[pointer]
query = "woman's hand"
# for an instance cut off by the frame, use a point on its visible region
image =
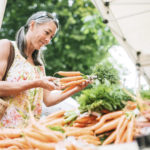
(83, 85)
(48, 83)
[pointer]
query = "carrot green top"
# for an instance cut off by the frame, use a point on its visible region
(17, 113)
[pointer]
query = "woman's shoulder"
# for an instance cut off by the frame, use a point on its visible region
(4, 47)
(5, 41)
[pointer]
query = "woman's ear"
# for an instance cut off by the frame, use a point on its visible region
(32, 24)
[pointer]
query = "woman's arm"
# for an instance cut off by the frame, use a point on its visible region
(13, 88)
(52, 98)
(4, 54)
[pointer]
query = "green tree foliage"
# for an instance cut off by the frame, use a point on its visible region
(82, 41)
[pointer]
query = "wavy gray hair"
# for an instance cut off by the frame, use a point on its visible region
(39, 17)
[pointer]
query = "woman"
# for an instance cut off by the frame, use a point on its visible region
(26, 80)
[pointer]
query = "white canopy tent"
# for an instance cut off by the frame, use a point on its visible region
(2, 10)
(129, 21)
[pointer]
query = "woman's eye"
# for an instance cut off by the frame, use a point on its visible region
(46, 32)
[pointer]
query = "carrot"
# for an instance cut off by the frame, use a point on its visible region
(50, 135)
(44, 129)
(79, 132)
(56, 114)
(69, 73)
(40, 145)
(110, 139)
(121, 131)
(36, 135)
(69, 146)
(105, 118)
(73, 83)
(68, 88)
(91, 141)
(59, 122)
(105, 111)
(130, 130)
(121, 121)
(13, 148)
(124, 137)
(80, 125)
(10, 133)
(68, 79)
(131, 105)
(108, 126)
(92, 137)
(85, 119)
(11, 142)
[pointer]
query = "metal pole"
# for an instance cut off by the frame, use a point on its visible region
(138, 65)
(2, 10)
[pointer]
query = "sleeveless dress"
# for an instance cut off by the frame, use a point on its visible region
(17, 113)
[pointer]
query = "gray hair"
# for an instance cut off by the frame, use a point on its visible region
(40, 18)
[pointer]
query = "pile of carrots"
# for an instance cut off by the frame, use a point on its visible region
(39, 136)
(119, 127)
(70, 80)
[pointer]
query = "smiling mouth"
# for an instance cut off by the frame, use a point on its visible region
(42, 43)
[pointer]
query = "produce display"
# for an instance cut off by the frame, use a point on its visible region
(88, 129)
(108, 114)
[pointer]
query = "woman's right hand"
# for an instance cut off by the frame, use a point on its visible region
(48, 83)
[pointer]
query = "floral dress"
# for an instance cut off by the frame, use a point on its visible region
(17, 113)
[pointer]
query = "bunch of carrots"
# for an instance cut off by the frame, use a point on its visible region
(71, 79)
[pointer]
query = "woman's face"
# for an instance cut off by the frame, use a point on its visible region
(41, 34)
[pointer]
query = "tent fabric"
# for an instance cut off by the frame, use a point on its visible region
(2, 10)
(129, 21)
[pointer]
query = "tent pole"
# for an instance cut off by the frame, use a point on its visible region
(138, 66)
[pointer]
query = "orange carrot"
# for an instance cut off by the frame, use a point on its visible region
(131, 105)
(73, 83)
(105, 118)
(53, 136)
(10, 133)
(36, 135)
(124, 137)
(68, 88)
(108, 126)
(121, 131)
(90, 141)
(10, 142)
(130, 130)
(110, 138)
(69, 73)
(85, 119)
(121, 121)
(40, 145)
(68, 79)
(80, 125)
(57, 114)
(69, 146)
(90, 137)
(79, 132)
(57, 121)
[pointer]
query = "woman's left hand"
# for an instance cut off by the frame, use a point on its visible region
(84, 84)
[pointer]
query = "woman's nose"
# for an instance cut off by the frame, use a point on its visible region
(47, 40)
